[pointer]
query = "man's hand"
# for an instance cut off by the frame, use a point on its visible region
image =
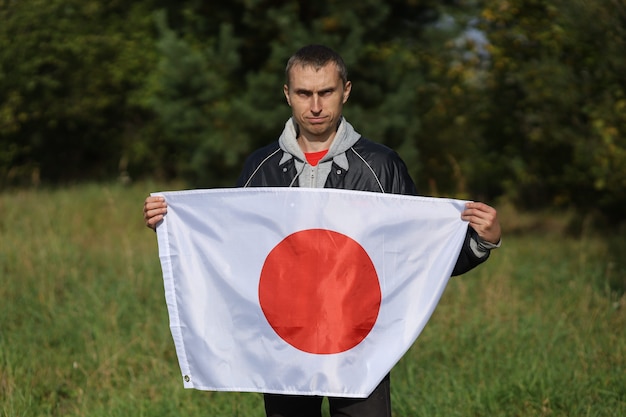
(154, 208)
(484, 220)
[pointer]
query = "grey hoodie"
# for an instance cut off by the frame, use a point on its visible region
(315, 176)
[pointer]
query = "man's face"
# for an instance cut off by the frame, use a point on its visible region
(316, 98)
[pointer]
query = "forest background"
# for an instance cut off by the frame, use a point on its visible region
(518, 103)
(516, 99)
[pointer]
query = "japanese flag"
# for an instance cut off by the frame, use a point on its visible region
(301, 291)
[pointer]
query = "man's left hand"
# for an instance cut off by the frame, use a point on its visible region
(484, 220)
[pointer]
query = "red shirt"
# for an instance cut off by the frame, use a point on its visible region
(314, 157)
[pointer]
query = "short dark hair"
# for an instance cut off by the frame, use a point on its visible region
(317, 56)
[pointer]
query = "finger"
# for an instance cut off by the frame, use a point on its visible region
(152, 221)
(154, 201)
(479, 209)
(482, 213)
(154, 209)
(149, 213)
(154, 212)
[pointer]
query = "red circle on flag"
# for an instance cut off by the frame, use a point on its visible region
(319, 291)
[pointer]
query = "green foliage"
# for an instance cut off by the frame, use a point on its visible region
(217, 90)
(190, 92)
(537, 330)
(555, 125)
(522, 99)
(65, 70)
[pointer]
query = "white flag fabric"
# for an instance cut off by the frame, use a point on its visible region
(301, 291)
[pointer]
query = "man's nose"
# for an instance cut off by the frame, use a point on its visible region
(316, 104)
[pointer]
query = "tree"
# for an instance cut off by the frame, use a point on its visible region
(239, 50)
(66, 68)
(554, 125)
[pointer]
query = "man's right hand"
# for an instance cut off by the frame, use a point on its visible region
(154, 208)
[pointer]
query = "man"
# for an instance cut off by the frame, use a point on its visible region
(319, 148)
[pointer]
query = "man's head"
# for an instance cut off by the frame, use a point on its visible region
(316, 56)
(317, 88)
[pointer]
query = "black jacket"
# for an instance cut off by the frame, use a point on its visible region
(371, 167)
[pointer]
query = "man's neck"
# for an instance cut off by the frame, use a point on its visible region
(315, 144)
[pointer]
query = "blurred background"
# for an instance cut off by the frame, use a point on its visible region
(522, 99)
(518, 103)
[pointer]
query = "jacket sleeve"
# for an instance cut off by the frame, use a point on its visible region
(467, 258)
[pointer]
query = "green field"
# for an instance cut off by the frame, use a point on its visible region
(537, 331)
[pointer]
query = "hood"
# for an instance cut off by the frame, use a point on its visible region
(346, 137)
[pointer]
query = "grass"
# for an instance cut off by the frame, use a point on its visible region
(537, 331)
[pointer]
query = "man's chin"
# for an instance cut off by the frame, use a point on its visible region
(319, 128)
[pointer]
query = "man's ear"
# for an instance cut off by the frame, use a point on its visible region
(346, 91)
(286, 92)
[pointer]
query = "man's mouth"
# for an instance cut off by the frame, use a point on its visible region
(316, 120)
